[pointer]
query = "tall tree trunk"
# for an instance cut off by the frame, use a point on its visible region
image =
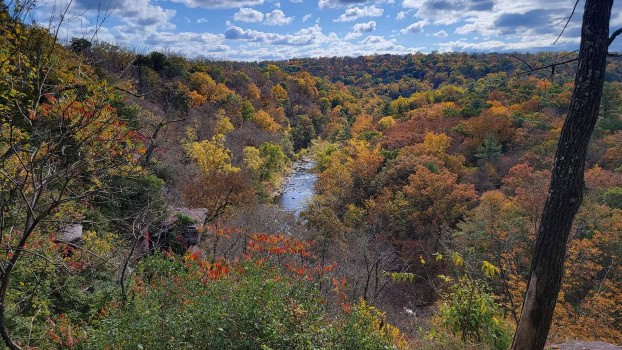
(566, 189)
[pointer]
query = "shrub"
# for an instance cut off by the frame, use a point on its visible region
(192, 304)
(471, 312)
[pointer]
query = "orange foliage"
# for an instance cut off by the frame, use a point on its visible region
(530, 188)
(265, 121)
(439, 200)
(496, 120)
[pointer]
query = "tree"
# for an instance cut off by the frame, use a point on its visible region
(438, 199)
(279, 93)
(80, 44)
(59, 145)
(265, 121)
(217, 184)
(567, 180)
(529, 189)
(303, 132)
(210, 155)
(208, 87)
(489, 150)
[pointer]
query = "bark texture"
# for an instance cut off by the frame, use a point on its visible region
(567, 183)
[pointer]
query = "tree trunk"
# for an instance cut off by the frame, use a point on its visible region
(566, 189)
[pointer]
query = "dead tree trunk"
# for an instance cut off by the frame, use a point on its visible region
(566, 189)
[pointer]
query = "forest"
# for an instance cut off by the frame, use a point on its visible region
(139, 199)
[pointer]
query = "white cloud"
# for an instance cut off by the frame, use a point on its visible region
(219, 3)
(379, 43)
(448, 11)
(352, 35)
(354, 13)
(364, 27)
(480, 25)
(274, 18)
(277, 18)
(248, 15)
(201, 43)
(322, 4)
(134, 17)
(416, 27)
(307, 36)
(360, 28)
(526, 43)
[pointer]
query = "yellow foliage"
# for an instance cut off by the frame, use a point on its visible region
(211, 156)
(435, 144)
(265, 121)
(223, 124)
(196, 99)
(252, 158)
(498, 109)
(388, 331)
(253, 92)
(100, 245)
(279, 93)
(386, 122)
(204, 85)
(363, 123)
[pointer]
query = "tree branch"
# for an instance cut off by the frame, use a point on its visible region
(552, 66)
(574, 8)
(614, 35)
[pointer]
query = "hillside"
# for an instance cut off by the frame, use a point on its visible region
(137, 199)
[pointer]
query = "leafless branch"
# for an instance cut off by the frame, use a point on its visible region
(614, 35)
(574, 8)
(552, 66)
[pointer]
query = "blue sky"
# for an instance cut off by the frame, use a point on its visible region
(270, 29)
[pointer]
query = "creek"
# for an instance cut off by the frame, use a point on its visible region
(298, 187)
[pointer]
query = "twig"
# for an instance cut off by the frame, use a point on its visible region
(568, 21)
(548, 66)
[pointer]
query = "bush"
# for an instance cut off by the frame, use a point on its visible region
(191, 304)
(470, 312)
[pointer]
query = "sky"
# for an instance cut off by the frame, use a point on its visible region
(256, 30)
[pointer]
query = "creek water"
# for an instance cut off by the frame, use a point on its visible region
(298, 187)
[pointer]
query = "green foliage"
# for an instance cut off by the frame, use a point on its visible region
(471, 312)
(185, 219)
(248, 111)
(322, 154)
(612, 197)
(268, 163)
(365, 328)
(252, 308)
(303, 132)
(490, 149)
(79, 44)
(474, 108)
(41, 293)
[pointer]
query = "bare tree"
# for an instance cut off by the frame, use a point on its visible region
(567, 180)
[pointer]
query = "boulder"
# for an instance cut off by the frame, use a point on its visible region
(71, 234)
